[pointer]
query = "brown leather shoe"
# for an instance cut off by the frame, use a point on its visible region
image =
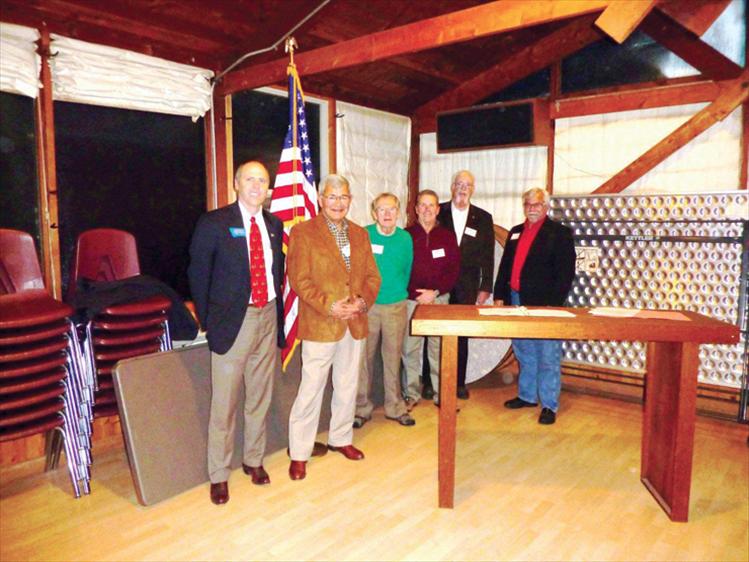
(297, 470)
(220, 492)
(258, 474)
(348, 451)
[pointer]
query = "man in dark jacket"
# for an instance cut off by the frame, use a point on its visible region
(537, 269)
(236, 277)
(474, 231)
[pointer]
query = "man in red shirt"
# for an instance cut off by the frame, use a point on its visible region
(537, 269)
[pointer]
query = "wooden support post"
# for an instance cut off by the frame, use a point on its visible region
(414, 163)
(733, 93)
(332, 137)
(744, 157)
(555, 90)
(49, 222)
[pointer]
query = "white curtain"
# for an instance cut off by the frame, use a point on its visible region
(591, 149)
(19, 62)
(501, 176)
(98, 75)
(372, 152)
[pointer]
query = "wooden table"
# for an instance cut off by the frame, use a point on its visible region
(671, 382)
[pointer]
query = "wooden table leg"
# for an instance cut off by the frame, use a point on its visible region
(448, 406)
(668, 424)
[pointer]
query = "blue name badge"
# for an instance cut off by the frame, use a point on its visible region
(237, 232)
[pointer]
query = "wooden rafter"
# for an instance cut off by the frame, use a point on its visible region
(696, 15)
(479, 21)
(733, 93)
(710, 62)
(553, 47)
(622, 17)
(641, 98)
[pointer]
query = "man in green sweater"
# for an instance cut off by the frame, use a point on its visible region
(393, 252)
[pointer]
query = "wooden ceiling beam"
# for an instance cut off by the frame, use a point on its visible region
(545, 51)
(622, 17)
(486, 19)
(732, 94)
(642, 98)
(710, 62)
(696, 15)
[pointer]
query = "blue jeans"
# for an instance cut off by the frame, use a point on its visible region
(540, 368)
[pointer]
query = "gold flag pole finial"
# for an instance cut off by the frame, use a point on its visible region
(289, 45)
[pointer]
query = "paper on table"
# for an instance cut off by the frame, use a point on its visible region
(615, 312)
(662, 315)
(522, 311)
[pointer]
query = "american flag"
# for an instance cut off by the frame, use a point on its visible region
(294, 196)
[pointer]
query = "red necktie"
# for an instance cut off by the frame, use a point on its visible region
(258, 281)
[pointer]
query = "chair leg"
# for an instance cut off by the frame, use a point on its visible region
(70, 459)
(52, 449)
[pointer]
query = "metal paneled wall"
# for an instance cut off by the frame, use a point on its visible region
(680, 252)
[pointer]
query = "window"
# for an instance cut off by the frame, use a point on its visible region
(259, 124)
(19, 194)
(137, 171)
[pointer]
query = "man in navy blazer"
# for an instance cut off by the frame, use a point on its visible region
(537, 269)
(474, 230)
(230, 246)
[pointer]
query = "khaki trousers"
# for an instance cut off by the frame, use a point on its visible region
(251, 362)
(413, 347)
(387, 325)
(345, 356)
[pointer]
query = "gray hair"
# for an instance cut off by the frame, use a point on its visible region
(385, 195)
(536, 192)
(336, 181)
(468, 172)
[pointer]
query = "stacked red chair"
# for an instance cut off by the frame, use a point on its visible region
(118, 331)
(44, 387)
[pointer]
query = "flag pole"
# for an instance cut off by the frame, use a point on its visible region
(289, 46)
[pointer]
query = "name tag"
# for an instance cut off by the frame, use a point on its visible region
(471, 232)
(346, 250)
(237, 232)
(438, 253)
(378, 249)
(515, 236)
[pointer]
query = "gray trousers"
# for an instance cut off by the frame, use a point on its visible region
(413, 347)
(251, 362)
(387, 326)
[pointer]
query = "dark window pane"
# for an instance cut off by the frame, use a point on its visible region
(534, 86)
(494, 126)
(137, 171)
(259, 125)
(19, 195)
(605, 63)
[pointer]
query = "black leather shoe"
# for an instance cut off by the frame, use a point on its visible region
(359, 421)
(547, 417)
(404, 419)
(220, 492)
(258, 474)
(518, 402)
(463, 393)
(427, 393)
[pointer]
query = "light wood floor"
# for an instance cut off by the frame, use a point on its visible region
(523, 492)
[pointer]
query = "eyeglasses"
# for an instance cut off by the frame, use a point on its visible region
(386, 209)
(462, 184)
(334, 198)
(534, 205)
